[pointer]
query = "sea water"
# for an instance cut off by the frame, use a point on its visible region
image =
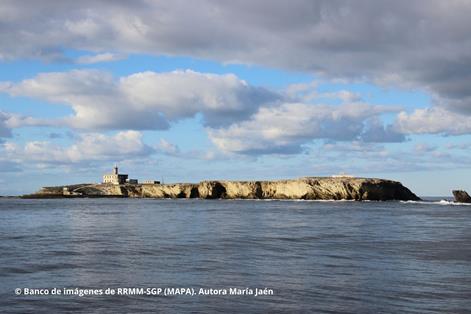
(64, 255)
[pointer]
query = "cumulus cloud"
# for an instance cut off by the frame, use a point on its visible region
(221, 99)
(88, 147)
(239, 118)
(286, 128)
(307, 92)
(168, 148)
(146, 100)
(433, 120)
(101, 57)
(419, 44)
(344, 95)
(376, 131)
(9, 121)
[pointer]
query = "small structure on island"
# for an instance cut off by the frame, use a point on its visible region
(115, 177)
(67, 192)
(342, 175)
(150, 182)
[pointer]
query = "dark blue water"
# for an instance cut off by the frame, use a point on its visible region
(318, 257)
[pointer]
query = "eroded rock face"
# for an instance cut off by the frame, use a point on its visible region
(309, 188)
(211, 190)
(179, 190)
(461, 196)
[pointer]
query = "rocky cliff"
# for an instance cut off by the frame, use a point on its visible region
(309, 188)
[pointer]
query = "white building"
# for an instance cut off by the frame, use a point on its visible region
(119, 178)
(150, 182)
(342, 175)
(115, 177)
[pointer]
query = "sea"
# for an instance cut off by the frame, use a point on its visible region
(234, 256)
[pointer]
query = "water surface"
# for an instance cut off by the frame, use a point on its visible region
(318, 257)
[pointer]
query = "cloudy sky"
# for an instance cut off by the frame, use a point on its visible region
(192, 90)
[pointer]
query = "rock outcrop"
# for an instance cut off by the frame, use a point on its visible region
(461, 196)
(309, 188)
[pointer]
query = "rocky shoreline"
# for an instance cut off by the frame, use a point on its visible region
(309, 188)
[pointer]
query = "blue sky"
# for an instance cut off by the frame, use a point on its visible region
(179, 92)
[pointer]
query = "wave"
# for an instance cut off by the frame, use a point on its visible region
(440, 202)
(425, 202)
(284, 200)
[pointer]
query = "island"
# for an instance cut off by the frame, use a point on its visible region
(307, 188)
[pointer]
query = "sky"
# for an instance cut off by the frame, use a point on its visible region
(183, 91)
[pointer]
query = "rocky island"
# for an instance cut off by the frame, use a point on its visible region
(461, 196)
(308, 188)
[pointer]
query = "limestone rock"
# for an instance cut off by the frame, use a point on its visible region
(309, 188)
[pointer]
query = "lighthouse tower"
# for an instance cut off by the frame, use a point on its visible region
(115, 177)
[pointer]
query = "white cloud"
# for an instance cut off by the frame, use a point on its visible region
(9, 121)
(146, 100)
(376, 131)
(168, 148)
(239, 118)
(101, 57)
(88, 147)
(400, 42)
(221, 98)
(344, 95)
(304, 92)
(286, 128)
(307, 92)
(433, 120)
